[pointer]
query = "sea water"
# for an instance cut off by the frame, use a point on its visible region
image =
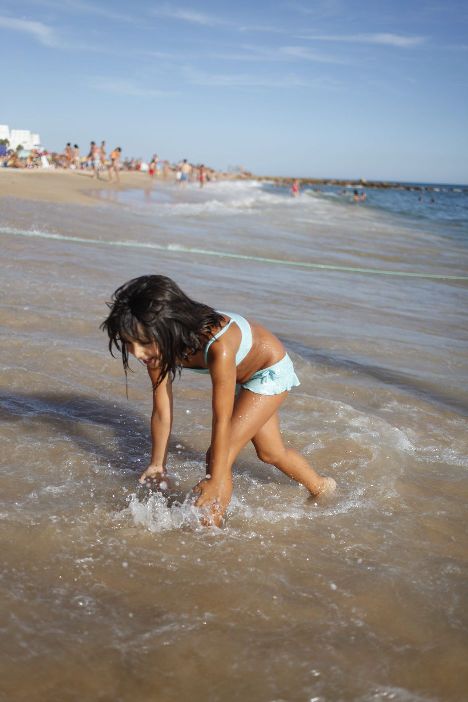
(112, 592)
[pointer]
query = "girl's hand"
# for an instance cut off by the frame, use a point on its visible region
(155, 476)
(216, 495)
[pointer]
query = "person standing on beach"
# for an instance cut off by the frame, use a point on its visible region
(114, 166)
(202, 175)
(76, 157)
(95, 159)
(89, 157)
(251, 374)
(295, 188)
(102, 155)
(152, 170)
(68, 155)
(185, 171)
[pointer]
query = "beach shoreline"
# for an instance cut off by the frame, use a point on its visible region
(81, 188)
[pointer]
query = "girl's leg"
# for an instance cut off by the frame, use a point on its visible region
(250, 413)
(255, 418)
(270, 448)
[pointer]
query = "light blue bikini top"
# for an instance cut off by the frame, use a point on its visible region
(244, 346)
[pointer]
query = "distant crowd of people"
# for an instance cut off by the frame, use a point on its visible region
(97, 160)
(101, 163)
(15, 158)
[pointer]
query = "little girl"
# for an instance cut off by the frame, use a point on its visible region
(251, 374)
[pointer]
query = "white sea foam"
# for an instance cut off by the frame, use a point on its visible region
(263, 505)
(254, 502)
(440, 454)
(156, 514)
(398, 694)
(228, 198)
(377, 432)
(208, 207)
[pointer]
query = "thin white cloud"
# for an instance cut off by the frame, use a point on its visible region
(95, 9)
(242, 80)
(85, 8)
(261, 28)
(44, 34)
(175, 57)
(384, 38)
(47, 36)
(305, 54)
(188, 15)
(125, 88)
(206, 20)
(282, 54)
(317, 9)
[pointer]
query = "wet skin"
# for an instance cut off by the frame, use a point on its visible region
(236, 419)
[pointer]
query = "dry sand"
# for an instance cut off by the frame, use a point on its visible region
(64, 186)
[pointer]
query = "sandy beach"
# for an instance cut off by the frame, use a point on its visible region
(75, 187)
(116, 593)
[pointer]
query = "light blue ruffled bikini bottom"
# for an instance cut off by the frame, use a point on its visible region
(273, 380)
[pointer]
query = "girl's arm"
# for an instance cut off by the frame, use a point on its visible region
(218, 488)
(161, 425)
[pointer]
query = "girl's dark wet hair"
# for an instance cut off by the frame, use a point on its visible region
(154, 308)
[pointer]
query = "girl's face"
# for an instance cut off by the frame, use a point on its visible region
(145, 351)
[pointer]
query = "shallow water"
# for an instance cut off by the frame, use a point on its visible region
(114, 593)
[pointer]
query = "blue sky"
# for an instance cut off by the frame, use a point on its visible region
(327, 88)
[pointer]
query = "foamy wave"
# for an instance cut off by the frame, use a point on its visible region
(208, 207)
(300, 507)
(157, 514)
(398, 694)
(376, 431)
(232, 197)
(254, 503)
(29, 232)
(438, 454)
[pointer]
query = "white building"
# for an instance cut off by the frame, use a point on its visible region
(20, 137)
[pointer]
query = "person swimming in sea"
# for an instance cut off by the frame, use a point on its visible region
(359, 197)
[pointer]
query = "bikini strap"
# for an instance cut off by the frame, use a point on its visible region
(215, 337)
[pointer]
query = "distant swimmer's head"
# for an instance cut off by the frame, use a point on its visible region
(153, 319)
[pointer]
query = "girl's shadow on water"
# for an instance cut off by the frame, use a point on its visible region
(125, 434)
(123, 443)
